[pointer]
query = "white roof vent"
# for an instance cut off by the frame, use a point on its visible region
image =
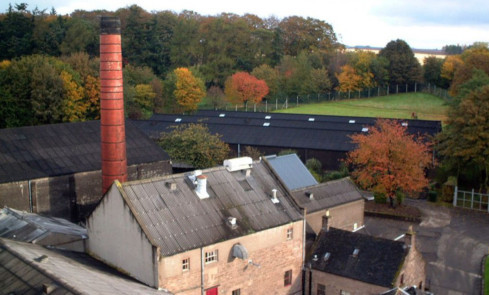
(315, 258)
(266, 124)
(351, 121)
(201, 189)
(268, 117)
(311, 119)
(222, 115)
(177, 120)
(274, 196)
(237, 164)
(364, 129)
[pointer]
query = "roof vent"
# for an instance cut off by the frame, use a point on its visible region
(201, 189)
(268, 117)
(266, 124)
(315, 258)
(310, 195)
(364, 129)
(351, 121)
(274, 196)
(222, 115)
(355, 252)
(238, 164)
(177, 120)
(171, 185)
(231, 222)
(326, 256)
(311, 119)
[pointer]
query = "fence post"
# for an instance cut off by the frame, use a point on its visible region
(455, 194)
(472, 200)
(297, 100)
(397, 88)
(415, 87)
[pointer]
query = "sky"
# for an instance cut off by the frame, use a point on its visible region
(423, 24)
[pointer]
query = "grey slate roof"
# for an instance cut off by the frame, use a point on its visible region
(291, 171)
(60, 149)
(327, 194)
(25, 268)
(283, 130)
(177, 220)
(34, 228)
(378, 260)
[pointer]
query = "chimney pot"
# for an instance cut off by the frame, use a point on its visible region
(201, 188)
(326, 222)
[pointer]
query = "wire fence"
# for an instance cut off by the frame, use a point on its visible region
(268, 105)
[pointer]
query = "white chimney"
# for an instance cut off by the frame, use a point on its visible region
(201, 189)
(274, 196)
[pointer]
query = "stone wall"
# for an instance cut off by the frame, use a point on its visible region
(271, 255)
(72, 197)
(335, 284)
(343, 216)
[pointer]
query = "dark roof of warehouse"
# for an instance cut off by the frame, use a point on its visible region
(280, 130)
(327, 194)
(377, 261)
(291, 171)
(177, 220)
(60, 149)
(28, 268)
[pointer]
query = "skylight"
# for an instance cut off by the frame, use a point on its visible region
(178, 120)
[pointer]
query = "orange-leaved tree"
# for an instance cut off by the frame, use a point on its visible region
(189, 90)
(388, 160)
(348, 79)
(245, 88)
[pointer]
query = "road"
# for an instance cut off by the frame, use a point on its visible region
(452, 241)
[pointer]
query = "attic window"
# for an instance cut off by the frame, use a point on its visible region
(364, 129)
(266, 124)
(222, 115)
(268, 117)
(311, 119)
(355, 252)
(177, 120)
(351, 121)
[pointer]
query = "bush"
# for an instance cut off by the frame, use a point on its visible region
(400, 197)
(315, 165)
(448, 189)
(287, 152)
(380, 198)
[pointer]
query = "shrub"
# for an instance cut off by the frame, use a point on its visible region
(315, 165)
(432, 196)
(400, 197)
(380, 198)
(448, 189)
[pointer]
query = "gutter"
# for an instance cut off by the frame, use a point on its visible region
(202, 271)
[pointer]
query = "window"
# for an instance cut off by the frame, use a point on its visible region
(236, 292)
(288, 278)
(186, 264)
(290, 233)
(211, 256)
(321, 289)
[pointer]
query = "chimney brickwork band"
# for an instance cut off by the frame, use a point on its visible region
(112, 122)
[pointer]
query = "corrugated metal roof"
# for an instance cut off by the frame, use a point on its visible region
(327, 194)
(177, 220)
(60, 149)
(292, 171)
(27, 267)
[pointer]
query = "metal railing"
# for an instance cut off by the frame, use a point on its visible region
(471, 200)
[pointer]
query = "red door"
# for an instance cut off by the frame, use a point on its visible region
(212, 291)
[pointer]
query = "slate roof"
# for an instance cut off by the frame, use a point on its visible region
(291, 171)
(327, 194)
(378, 260)
(177, 220)
(34, 228)
(61, 149)
(25, 268)
(278, 129)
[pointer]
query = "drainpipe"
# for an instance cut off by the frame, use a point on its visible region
(202, 271)
(31, 207)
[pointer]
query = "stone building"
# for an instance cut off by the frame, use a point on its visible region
(349, 263)
(232, 229)
(56, 169)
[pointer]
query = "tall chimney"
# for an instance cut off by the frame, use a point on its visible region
(112, 123)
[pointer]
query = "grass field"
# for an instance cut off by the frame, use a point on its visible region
(426, 106)
(486, 278)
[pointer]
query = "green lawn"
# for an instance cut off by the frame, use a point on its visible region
(426, 106)
(486, 278)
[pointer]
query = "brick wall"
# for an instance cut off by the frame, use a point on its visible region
(343, 216)
(270, 250)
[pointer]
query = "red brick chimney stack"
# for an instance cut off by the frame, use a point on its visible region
(113, 133)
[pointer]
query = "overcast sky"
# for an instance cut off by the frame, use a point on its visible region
(427, 24)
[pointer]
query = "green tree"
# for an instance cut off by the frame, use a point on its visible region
(432, 71)
(81, 35)
(270, 76)
(216, 97)
(193, 144)
(403, 66)
(16, 30)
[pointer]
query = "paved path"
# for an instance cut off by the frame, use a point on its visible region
(453, 243)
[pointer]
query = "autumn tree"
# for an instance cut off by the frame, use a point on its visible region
(189, 90)
(245, 88)
(348, 79)
(194, 145)
(387, 160)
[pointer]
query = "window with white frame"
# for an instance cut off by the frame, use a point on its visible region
(211, 256)
(290, 233)
(186, 264)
